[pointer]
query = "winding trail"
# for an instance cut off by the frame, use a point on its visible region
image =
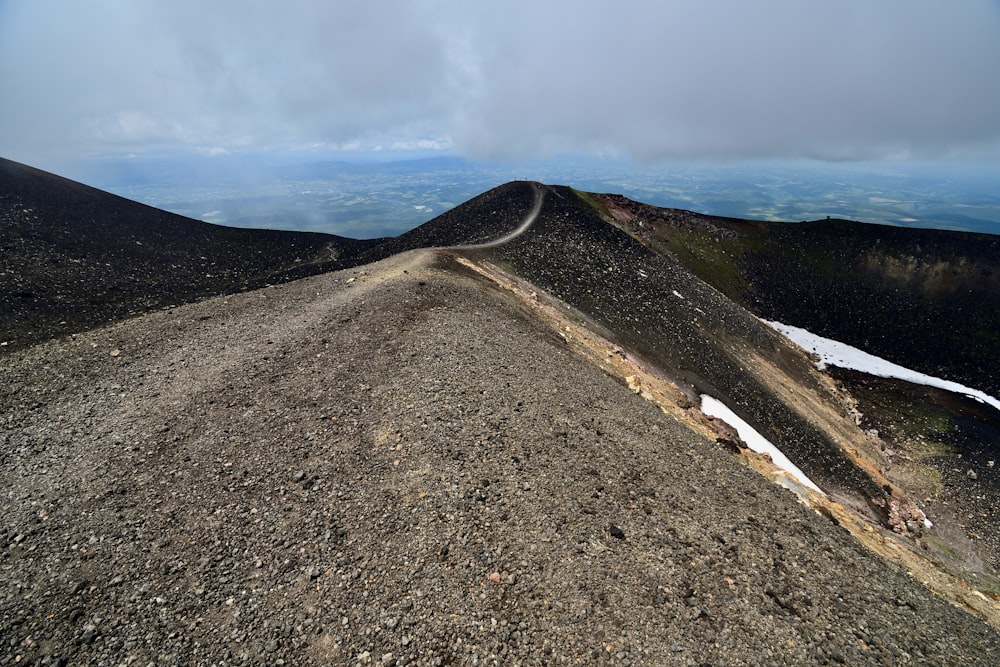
(522, 228)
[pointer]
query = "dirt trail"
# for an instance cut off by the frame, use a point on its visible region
(525, 225)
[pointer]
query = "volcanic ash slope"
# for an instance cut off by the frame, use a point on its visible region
(399, 465)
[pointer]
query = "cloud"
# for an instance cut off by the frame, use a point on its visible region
(789, 78)
(107, 74)
(775, 78)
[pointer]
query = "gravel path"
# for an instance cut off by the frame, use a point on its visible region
(397, 465)
(525, 225)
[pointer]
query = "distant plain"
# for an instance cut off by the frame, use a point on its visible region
(362, 196)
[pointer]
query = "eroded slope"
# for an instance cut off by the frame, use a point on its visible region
(924, 298)
(658, 310)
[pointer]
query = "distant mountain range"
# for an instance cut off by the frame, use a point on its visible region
(665, 302)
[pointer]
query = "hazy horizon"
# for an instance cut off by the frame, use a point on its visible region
(368, 195)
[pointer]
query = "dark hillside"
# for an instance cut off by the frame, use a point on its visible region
(482, 219)
(73, 257)
(927, 299)
(658, 310)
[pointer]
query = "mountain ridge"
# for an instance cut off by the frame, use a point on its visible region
(247, 472)
(458, 436)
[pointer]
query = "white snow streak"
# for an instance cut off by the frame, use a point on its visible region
(754, 440)
(835, 353)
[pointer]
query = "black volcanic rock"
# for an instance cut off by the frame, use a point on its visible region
(72, 257)
(927, 299)
(482, 219)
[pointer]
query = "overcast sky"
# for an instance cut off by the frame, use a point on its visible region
(844, 79)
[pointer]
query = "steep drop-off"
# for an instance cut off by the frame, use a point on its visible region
(924, 298)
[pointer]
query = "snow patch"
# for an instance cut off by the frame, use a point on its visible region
(755, 441)
(835, 353)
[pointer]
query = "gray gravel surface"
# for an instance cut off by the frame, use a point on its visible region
(397, 465)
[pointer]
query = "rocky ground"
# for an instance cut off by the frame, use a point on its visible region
(399, 464)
